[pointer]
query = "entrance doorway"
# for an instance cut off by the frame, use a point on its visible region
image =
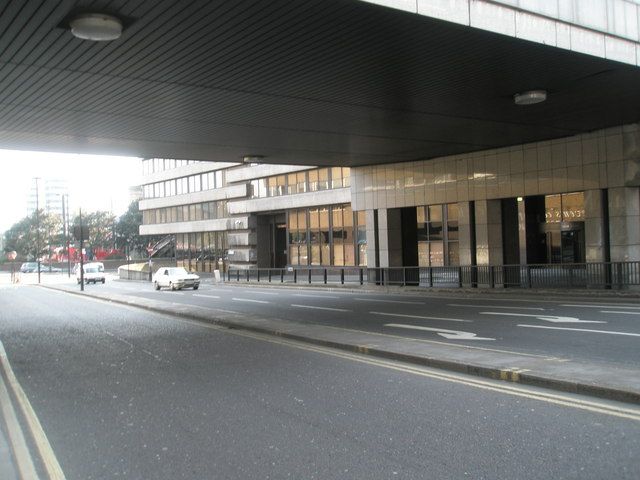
(564, 242)
(272, 241)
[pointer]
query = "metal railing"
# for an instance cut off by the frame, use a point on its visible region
(613, 275)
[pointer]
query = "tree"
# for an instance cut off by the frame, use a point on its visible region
(23, 235)
(127, 231)
(101, 226)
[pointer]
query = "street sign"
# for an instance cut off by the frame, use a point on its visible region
(85, 232)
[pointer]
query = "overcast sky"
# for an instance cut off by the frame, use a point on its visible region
(96, 182)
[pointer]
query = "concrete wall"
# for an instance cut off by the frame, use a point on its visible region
(606, 28)
(601, 163)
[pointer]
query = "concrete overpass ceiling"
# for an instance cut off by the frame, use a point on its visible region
(312, 82)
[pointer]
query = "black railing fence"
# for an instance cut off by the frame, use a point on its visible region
(615, 275)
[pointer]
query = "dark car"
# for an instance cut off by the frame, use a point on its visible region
(29, 267)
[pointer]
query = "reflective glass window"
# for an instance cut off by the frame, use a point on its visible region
(552, 209)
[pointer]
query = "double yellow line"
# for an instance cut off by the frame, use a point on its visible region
(572, 401)
(24, 461)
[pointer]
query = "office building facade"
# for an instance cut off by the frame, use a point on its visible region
(566, 201)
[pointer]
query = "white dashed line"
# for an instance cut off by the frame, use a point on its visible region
(388, 301)
(421, 317)
(620, 313)
(313, 296)
(608, 332)
(249, 300)
(493, 306)
(321, 308)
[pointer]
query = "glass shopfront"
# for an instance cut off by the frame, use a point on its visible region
(331, 235)
(555, 228)
(438, 235)
(202, 251)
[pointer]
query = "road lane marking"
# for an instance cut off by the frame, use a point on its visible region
(320, 308)
(205, 296)
(450, 334)
(505, 389)
(608, 332)
(388, 301)
(619, 313)
(493, 306)
(546, 318)
(249, 300)
(261, 292)
(17, 442)
(422, 317)
(49, 460)
(313, 296)
(591, 305)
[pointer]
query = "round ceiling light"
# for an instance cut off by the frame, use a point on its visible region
(530, 97)
(252, 158)
(98, 27)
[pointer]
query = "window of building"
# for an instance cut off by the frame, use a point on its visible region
(292, 184)
(323, 179)
(438, 245)
(453, 251)
(330, 238)
(361, 237)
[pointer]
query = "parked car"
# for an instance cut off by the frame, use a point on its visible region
(29, 267)
(49, 269)
(175, 278)
(93, 272)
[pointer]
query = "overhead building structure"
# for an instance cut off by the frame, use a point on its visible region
(476, 131)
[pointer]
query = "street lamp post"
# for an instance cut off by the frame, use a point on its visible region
(65, 229)
(38, 226)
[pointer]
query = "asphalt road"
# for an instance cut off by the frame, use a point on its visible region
(603, 330)
(122, 392)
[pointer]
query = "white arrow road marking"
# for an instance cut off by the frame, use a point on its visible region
(321, 308)
(421, 317)
(546, 318)
(620, 313)
(493, 306)
(450, 334)
(388, 301)
(590, 305)
(249, 300)
(608, 332)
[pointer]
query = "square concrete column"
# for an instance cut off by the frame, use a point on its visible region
(488, 232)
(371, 238)
(390, 237)
(594, 228)
(624, 224)
(465, 243)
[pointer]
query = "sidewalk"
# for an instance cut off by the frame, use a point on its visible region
(593, 378)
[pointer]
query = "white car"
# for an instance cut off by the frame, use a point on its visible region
(175, 278)
(93, 272)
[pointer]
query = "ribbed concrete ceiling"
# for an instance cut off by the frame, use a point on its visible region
(316, 82)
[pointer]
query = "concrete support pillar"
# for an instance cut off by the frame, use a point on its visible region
(465, 234)
(594, 227)
(624, 223)
(488, 232)
(390, 237)
(372, 246)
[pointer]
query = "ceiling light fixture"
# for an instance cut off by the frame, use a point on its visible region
(98, 27)
(252, 158)
(530, 97)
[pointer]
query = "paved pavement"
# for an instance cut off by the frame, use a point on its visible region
(570, 344)
(123, 392)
